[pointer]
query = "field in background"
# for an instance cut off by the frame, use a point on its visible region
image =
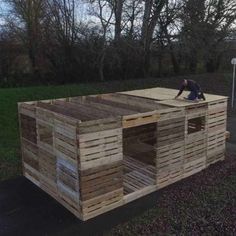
(10, 163)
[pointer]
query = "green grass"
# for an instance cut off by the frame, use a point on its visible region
(9, 138)
(10, 163)
(205, 204)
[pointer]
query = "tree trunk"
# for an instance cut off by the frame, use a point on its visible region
(192, 65)
(146, 18)
(151, 13)
(118, 17)
(174, 61)
(192, 62)
(160, 58)
(101, 66)
(146, 63)
(213, 63)
(210, 66)
(172, 54)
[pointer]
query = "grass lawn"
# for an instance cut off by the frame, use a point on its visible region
(201, 204)
(10, 163)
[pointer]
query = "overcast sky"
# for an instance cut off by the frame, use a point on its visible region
(3, 11)
(82, 13)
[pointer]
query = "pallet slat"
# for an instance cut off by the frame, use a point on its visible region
(96, 153)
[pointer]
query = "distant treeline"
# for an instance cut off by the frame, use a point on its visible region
(44, 41)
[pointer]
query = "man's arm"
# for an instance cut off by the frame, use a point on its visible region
(180, 91)
(198, 87)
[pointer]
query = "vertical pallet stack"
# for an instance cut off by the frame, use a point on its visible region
(170, 146)
(217, 118)
(55, 154)
(29, 148)
(101, 168)
(195, 139)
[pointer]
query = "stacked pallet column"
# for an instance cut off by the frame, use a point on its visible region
(195, 139)
(57, 145)
(170, 146)
(49, 154)
(217, 116)
(101, 166)
(29, 148)
(66, 151)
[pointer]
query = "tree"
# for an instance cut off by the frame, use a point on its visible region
(152, 10)
(118, 8)
(103, 10)
(29, 14)
(60, 35)
(168, 31)
(132, 14)
(206, 26)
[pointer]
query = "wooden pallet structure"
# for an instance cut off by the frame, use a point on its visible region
(96, 153)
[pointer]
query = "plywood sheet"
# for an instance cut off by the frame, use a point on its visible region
(166, 96)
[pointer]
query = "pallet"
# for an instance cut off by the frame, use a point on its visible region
(137, 175)
(96, 153)
(217, 118)
(227, 135)
(169, 164)
(28, 128)
(170, 151)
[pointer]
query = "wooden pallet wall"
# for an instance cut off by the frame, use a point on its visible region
(170, 147)
(101, 166)
(217, 118)
(195, 139)
(96, 153)
(29, 148)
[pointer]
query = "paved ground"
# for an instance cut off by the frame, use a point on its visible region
(26, 210)
(232, 127)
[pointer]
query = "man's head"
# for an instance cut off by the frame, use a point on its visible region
(185, 82)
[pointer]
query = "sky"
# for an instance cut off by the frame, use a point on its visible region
(3, 11)
(82, 13)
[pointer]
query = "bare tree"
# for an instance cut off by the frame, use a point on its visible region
(206, 26)
(61, 16)
(152, 11)
(168, 30)
(118, 8)
(29, 14)
(104, 11)
(60, 33)
(132, 14)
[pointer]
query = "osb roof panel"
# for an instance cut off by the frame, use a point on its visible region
(166, 96)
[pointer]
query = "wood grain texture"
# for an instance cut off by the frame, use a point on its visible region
(96, 153)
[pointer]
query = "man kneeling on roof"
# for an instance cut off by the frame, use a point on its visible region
(194, 88)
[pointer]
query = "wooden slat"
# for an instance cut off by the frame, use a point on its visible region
(170, 131)
(95, 153)
(100, 180)
(27, 109)
(28, 128)
(227, 135)
(140, 119)
(100, 148)
(102, 203)
(137, 175)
